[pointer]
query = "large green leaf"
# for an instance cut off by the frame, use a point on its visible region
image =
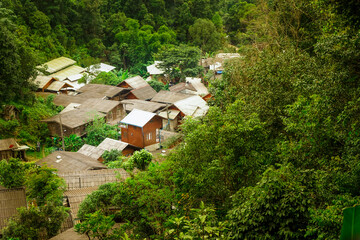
(351, 224)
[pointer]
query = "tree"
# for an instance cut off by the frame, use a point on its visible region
(99, 130)
(112, 155)
(157, 85)
(180, 62)
(205, 35)
(141, 159)
(12, 173)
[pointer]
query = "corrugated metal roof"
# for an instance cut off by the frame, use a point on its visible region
(130, 104)
(70, 107)
(57, 64)
(154, 70)
(5, 144)
(76, 197)
(98, 68)
(110, 144)
(75, 85)
(75, 77)
(169, 97)
(65, 100)
(41, 80)
(76, 118)
(182, 86)
(193, 106)
(10, 200)
(58, 85)
(198, 85)
(144, 93)
(138, 118)
(172, 114)
(70, 234)
(100, 105)
(66, 162)
(67, 72)
(136, 82)
(101, 90)
(91, 151)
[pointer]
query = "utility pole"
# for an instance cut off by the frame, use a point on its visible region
(62, 133)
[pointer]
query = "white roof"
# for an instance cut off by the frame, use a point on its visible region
(193, 106)
(215, 66)
(228, 55)
(110, 144)
(172, 114)
(154, 70)
(75, 77)
(98, 68)
(138, 118)
(70, 107)
(57, 64)
(75, 84)
(198, 85)
(67, 72)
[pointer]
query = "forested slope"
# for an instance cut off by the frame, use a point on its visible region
(276, 157)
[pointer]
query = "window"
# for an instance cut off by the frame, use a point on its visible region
(148, 136)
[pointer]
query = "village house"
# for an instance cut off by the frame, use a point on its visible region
(140, 88)
(155, 72)
(183, 87)
(199, 87)
(193, 106)
(72, 122)
(171, 119)
(133, 82)
(10, 200)
(103, 92)
(96, 69)
(130, 104)
(67, 72)
(169, 97)
(9, 148)
(107, 145)
(66, 162)
(56, 65)
(139, 128)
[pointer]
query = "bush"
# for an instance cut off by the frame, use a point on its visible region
(141, 159)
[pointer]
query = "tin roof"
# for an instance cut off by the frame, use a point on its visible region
(10, 200)
(101, 91)
(76, 197)
(136, 82)
(67, 72)
(154, 69)
(75, 77)
(172, 114)
(66, 162)
(130, 104)
(100, 105)
(144, 93)
(169, 97)
(198, 85)
(70, 107)
(100, 67)
(182, 87)
(58, 85)
(193, 106)
(76, 117)
(57, 64)
(7, 144)
(65, 100)
(70, 234)
(91, 151)
(41, 81)
(109, 144)
(138, 118)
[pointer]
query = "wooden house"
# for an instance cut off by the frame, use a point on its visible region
(130, 104)
(73, 122)
(43, 82)
(66, 162)
(67, 72)
(134, 83)
(183, 87)
(139, 128)
(9, 148)
(142, 93)
(56, 65)
(155, 72)
(10, 200)
(199, 87)
(169, 97)
(193, 106)
(171, 119)
(104, 92)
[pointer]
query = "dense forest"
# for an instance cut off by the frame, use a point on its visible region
(277, 155)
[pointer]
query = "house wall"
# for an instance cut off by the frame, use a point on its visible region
(128, 151)
(173, 123)
(131, 96)
(54, 129)
(132, 135)
(124, 85)
(150, 130)
(7, 154)
(114, 114)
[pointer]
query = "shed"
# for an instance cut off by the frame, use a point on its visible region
(65, 100)
(9, 148)
(57, 64)
(58, 86)
(134, 83)
(66, 162)
(130, 104)
(183, 87)
(73, 122)
(109, 144)
(193, 106)
(169, 97)
(142, 93)
(93, 178)
(154, 69)
(98, 68)
(198, 86)
(171, 119)
(103, 91)
(91, 151)
(70, 107)
(67, 72)
(43, 82)
(10, 200)
(139, 128)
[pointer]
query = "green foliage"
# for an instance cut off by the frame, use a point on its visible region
(42, 222)
(99, 130)
(202, 223)
(44, 186)
(277, 207)
(13, 173)
(108, 78)
(141, 159)
(111, 156)
(180, 61)
(205, 35)
(73, 143)
(158, 86)
(350, 229)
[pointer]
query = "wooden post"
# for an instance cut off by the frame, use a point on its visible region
(62, 133)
